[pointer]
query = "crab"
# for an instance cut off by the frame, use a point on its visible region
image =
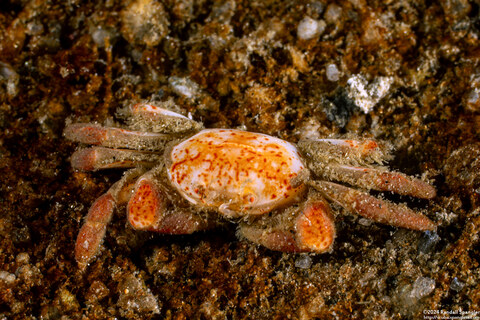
(183, 178)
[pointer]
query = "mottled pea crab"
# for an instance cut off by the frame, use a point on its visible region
(185, 178)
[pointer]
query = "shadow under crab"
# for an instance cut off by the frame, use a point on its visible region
(186, 178)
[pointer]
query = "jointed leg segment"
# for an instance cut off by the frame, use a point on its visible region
(99, 215)
(370, 207)
(97, 158)
(112, 137)
(309, 228)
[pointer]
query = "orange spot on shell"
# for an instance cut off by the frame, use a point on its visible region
(315, 227)
(145, 206)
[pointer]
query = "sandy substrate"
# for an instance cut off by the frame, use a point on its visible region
(403, 72)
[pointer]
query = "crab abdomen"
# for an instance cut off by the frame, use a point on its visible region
(236, 172)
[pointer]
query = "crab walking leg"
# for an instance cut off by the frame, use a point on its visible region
(311, 230)
(116, 137)
(96, 158)
(99, 215)
(373, 208)
(147, 209)
(382, 181)
(151, 118)
(353, 151)
(364, 147)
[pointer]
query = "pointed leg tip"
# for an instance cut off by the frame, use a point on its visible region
(146, 206)
(429, 192)
(419, 222)
(92, 232)
(84, 159)
(315, 227)
(88, 242)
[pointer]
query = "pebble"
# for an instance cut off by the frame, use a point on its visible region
(303, 262)
(427, 242)
(99, 35)
(7, 276)
(473, 100)
(333, 74)
(422, 287)
(145, 22)
(11, 77)
(456, 285)
(309, 28)
(22, 258)
(333, 13)
(184, 87)
(367, 95)
(134, 295)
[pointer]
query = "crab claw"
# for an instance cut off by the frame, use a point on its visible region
(147, 210)
(147, 205)
(313, 230)
(315, 227)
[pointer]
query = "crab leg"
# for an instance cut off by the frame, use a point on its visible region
(363, 148)
(116, 137)
(373, 208)
(370, 178)
(147, 208)
(150, 118)
(310, 229)
(353, 151)
(356, 154)
(99, 215)
(96, 158)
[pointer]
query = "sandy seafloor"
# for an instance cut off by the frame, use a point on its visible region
(405, 72)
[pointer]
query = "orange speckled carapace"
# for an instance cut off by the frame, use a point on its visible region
(236, 171)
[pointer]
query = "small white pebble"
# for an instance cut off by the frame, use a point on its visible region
(22, 258)
(456, 285)
(333, 13)
(309, 28)
(473, 100)
(11, 77)
(333, 74)
(99, 35)
(303, 262)
(7, 276)
(422, 287)
(366, 95)
(184, 87)
(365, 222)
